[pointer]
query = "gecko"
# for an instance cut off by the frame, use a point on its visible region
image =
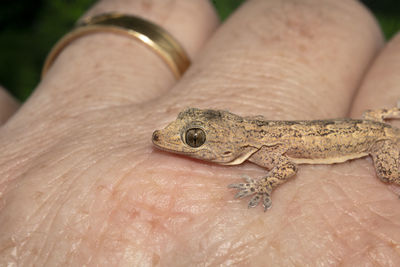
(280, 146)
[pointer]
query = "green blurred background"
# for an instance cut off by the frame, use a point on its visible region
(28, 29)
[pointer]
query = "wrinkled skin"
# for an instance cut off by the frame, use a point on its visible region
(82, 184)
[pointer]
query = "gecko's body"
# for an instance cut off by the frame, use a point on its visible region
(279, 146)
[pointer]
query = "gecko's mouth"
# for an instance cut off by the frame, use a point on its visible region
(160, 142)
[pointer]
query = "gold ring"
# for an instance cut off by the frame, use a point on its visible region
(152, 35)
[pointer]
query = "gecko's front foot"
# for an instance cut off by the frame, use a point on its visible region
(256, 188)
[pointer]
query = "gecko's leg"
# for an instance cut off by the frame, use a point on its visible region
(386, 159)
(382, 114)
(281, 171)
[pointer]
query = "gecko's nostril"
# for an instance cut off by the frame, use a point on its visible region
(156, 136)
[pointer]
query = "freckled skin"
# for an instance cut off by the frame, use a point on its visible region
(280, 146)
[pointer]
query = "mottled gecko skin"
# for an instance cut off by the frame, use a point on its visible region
(225, 138)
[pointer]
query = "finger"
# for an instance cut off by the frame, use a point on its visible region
(381, 86)
(8, 105)
(106, 69)
(293, 59)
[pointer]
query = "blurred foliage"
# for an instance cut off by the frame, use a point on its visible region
(28, 29)
(226, 7)
(388, 14)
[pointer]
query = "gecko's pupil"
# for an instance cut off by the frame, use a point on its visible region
(195, 137)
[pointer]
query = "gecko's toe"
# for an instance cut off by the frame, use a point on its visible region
(236, 186)
(254, 201)
(267, 203)
(253, 187)
(243, 193)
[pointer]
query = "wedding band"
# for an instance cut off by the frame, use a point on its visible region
(150, 34)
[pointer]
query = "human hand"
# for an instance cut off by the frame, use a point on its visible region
(82, 184)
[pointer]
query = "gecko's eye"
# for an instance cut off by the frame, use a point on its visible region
(195, 137)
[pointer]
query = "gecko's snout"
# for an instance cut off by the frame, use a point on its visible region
(156, 136)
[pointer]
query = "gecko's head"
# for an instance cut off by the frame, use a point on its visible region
(210, 135)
